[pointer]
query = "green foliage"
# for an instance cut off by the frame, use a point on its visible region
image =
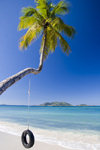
(26, 22)
(30, 35)
(61, 8)
(43, 6)
(51, 42)
(29, 11)
(30, 17)
(64, 45)
(46, 15)
(60, 26)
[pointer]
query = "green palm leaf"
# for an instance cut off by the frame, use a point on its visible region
(26, 22)
(44, 7)
(28, 12)
(30, 35)
(61, 8)
(64, 45)
(60, 26)
(51, 42)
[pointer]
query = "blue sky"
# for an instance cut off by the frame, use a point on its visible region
(74, 78)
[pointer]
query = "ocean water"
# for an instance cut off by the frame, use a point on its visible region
(70, 127)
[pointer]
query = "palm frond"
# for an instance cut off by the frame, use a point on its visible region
(69, 30)
(26, 22)
(30, 11)
(64, 45)
(61, 8)
(44, 6)
(57, 24)
(60, 26)
(30, 35)
(51, 42)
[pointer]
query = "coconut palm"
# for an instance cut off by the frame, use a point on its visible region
(45, 20)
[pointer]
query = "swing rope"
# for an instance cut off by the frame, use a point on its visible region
(28, 105)
(27, 132)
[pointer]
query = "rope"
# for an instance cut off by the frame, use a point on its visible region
(28, 105)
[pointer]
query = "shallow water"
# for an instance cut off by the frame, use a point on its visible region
(70, 127)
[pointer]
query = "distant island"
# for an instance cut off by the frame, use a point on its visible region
(55, 104)
(62, 104)
(51, 104)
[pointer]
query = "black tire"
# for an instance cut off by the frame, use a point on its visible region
(24, 139)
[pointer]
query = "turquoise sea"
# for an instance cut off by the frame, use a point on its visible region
(70, 127)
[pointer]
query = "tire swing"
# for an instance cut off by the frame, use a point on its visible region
(27, 137)
(30, 142)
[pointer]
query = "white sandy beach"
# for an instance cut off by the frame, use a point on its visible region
(10, 139)
(13, 142)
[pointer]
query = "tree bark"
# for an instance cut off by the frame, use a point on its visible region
(13, 79)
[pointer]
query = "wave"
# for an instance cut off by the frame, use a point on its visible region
(68, 139)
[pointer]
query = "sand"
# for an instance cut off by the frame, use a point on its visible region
(13, 142)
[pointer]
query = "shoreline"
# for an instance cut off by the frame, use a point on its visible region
(13, 142)
(47, 139)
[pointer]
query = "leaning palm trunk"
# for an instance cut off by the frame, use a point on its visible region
(45, 17)
(13, 79)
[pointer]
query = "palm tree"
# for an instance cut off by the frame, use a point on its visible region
(44, 20)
